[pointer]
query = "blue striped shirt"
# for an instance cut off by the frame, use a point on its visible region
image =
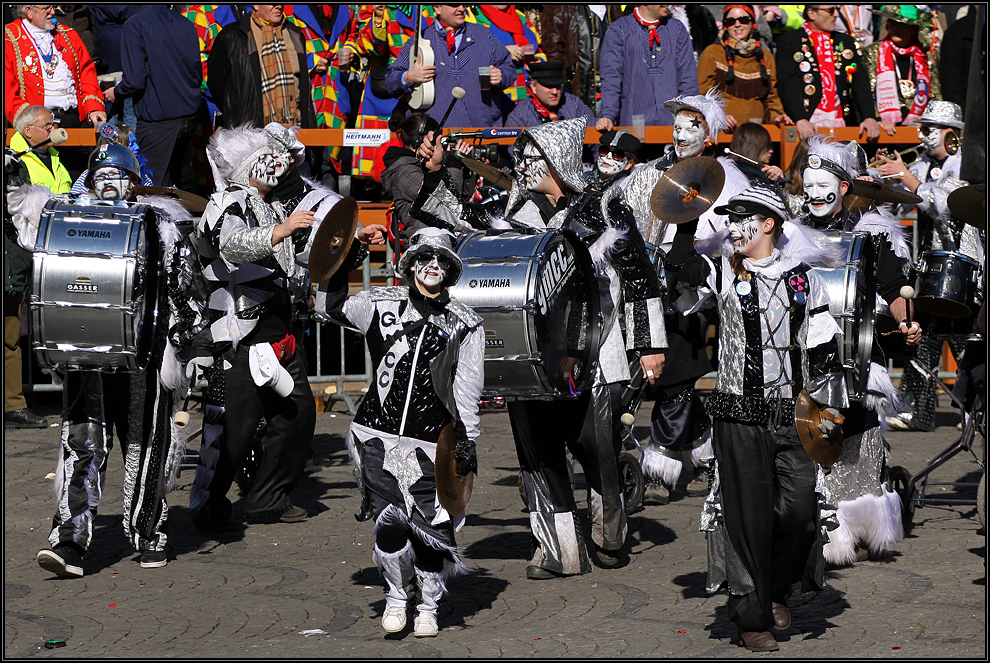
(477, 48)
(637, 79)
(525, 115)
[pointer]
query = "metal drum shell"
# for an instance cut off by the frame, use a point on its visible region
(89, 275)
(948, 284)
(852, 302)
(501, 281)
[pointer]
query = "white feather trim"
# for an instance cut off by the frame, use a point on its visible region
(658, 467)
(171, 212)
(604, 245)
(703, 455)
(838, 153)
(25, 205)
(881, 221)
(840, 550)
(810, 246)
(173, 373)
(881, 395)
(876, 521)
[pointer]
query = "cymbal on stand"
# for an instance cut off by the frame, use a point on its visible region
(882, 192)
(195, 204)
(969, 205)
(687, 190)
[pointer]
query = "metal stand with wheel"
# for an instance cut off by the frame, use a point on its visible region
(911, 489)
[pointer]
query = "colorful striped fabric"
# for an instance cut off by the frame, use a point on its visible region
(331, 105)
(209, 20)
(518, 91)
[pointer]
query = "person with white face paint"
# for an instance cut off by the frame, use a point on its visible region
(548, 181)
(867, 520)
(252, 248)
(616, 159)
(131, 405)
(933, 177)
(680, 425)
(427, 350)
(776, 338)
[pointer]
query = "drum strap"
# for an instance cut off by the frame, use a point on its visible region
(391, 339)
(799, 305)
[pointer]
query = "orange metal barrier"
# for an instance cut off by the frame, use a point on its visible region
(785, 138)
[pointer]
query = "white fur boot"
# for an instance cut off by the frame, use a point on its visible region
(396, 568)
(431, 589)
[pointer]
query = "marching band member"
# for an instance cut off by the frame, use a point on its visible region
(776, 338)
(135, 405)
(548, 167)
(678, 421)
(616, 160)
(250, 251)
(933, 177)
(428, 351)
(868, 515)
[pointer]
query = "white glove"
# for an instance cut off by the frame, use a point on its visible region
(832, 423)
(196, 368)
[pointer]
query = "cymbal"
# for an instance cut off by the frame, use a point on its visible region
(491, 174)
(333, 240)
(807, 415)
(687, 190)
(453, 490)
(969, 205)
(882, 192)
(195, 204)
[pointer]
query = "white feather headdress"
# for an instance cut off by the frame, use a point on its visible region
(710, 105)
(233, 151)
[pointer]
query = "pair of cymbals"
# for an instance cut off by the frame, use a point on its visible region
(807, 416)
(879, 192)
(687, 190)
(193, 203)
(333, 240)
(453, 490)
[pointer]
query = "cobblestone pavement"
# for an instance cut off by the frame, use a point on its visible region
(256, 592)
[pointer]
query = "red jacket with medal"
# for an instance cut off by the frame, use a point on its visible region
(799, 81)
(22, 75)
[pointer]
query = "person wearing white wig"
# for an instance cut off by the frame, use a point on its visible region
(251, 248)
(679, 424)
(428, 351)
(777, 338)
(868, 515)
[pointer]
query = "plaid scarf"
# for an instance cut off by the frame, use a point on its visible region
(279, 66)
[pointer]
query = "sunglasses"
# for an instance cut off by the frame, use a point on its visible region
(427, 257)
(742, 20)
(828, 10)
(618, 154)
(927, 129)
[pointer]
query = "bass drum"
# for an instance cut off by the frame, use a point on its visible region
(538, 294)
(852, 292)
(94, 286)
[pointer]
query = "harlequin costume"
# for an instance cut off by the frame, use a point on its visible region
(24, 84)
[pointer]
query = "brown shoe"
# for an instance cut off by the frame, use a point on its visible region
(781, 615)
(758, 641)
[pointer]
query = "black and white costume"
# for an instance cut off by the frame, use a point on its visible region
(777, 337)
(866, 513)
(679, 422)
(138, 406)
(428, 357)
(627, 282)
(250, 311)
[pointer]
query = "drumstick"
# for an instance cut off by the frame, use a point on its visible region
(907, 292)
(756, 163)
(456, 93)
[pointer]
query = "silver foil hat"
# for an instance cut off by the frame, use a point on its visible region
(560, 143)
(435, 240)
(943, 112)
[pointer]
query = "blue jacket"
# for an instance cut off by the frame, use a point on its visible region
(637, 79)
(162, 69)
(525, 115)
(478, 48)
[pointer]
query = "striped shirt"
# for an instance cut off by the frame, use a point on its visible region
(637, 79)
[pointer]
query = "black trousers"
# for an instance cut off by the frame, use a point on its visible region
(771, 513)
(164, 145)
(291, 423)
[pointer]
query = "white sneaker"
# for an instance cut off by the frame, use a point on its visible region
(425, 625)
(394, 619)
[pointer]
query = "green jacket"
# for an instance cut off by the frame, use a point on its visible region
(16, 267)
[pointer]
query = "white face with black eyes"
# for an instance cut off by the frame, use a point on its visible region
(111, 183)
(934, 139)
(609, 164)
(270, 166)
(534, 170)
(430, 270)
(822, 192)
(689, 135)
(744, 231)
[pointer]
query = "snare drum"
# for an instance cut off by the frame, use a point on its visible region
(539, 298)
(94, 290)
(852, 302)
(948, 284)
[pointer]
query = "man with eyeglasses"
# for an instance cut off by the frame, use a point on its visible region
(822, 79)
(47, 64)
